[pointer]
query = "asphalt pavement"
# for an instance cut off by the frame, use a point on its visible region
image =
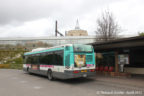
(19, 83)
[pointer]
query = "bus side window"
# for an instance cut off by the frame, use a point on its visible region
(28, 60)
(58, 56)
(41, 59)
(46, 58)
(35, 59)
(32, 59)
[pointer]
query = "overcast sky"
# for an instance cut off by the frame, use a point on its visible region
(33, 18)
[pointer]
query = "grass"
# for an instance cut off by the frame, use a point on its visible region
(13, 62)
(17, 63)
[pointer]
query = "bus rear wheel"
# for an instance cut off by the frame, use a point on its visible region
(49, 75)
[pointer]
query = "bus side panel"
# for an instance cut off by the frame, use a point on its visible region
(94, 58)
(68, 57)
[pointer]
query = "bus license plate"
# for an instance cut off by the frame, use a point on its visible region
(83, 70)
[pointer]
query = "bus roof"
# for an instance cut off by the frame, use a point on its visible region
(42, 49)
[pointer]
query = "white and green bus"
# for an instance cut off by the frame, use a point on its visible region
(63, 62)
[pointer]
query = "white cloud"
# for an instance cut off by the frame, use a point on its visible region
(36, 28)
(20, 18)
(129, 14)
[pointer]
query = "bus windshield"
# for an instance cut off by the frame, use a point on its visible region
(82, 48)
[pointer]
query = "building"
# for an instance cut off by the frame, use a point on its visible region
(123, 56)
(77, 31)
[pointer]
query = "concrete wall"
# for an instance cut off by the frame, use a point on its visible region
(134, 70)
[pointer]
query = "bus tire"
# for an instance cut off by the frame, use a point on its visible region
(49, 75)
(28, 71)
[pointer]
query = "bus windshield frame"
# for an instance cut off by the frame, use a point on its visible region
(82, 48)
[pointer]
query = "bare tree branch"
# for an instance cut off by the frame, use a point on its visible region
(107, 28)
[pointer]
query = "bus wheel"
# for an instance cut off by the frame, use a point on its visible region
(49, 75)
(28, 71)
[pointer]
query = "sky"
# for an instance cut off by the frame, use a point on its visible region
(35, 18)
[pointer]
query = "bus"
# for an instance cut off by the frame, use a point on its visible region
(62, 62)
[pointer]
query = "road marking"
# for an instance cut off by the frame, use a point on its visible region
(37, 87)
(23, 81)
(14, 78)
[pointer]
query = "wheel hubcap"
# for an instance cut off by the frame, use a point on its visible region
(49, 75)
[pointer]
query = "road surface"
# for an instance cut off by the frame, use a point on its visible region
(19, 83)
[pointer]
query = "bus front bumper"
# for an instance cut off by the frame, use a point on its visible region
(70, 74)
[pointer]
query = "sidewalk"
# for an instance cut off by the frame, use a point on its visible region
(132, 81)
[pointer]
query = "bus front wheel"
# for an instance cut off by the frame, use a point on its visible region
(49, 75)
(28, 71)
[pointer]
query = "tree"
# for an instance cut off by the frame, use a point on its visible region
(107, 28)
(141, 33)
